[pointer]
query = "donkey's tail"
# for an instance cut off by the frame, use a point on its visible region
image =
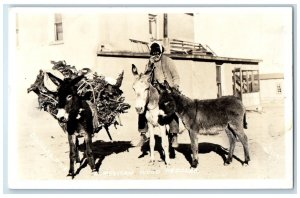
(245, 121)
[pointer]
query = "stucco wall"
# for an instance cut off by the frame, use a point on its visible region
(79, 44)
(83, 34)
(269, 90)
(117, 29)
(181, 26)
(198, 79)
(227, 82)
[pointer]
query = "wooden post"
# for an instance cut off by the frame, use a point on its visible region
(252, 81)
(234, 83)
(165, 25)
(241, 81)
(258, 80)
(247, 80)
(166, 41)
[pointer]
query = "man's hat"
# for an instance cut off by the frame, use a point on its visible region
(156, 47)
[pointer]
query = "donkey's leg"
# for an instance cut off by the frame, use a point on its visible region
(72, 154)
(232, 141)
(77, 151)
(244, 140)
(165, 143)
(151, 142)
(194, 147)
(88, 150)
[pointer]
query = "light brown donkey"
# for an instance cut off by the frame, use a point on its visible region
(147, 97)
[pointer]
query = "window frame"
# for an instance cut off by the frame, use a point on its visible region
(58, 27)
(278, 88)
(152, 21)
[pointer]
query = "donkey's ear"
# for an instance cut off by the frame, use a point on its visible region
(120, 79)
(57, 81)
(134, 70)
(167, 86)
(77, 79)
(160, 87)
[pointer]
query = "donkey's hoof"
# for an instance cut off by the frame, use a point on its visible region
(94, 172)
(227, 162)
(246, 163)
(194, 164)
(167, 163)
(71, 175)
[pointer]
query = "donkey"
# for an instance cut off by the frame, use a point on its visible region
(147, 100)
(77, 115)
(207, 117)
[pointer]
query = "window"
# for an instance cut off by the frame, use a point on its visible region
(250, 81)
(58, 28)
(245, 81)
(255, 81)
(153, 26)
(279, 90)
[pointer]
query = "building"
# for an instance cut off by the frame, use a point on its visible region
(109, 43)
(272, 87)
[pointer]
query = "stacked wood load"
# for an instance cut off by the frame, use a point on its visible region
(105, 98)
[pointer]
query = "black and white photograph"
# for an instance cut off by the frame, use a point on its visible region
(155, 97)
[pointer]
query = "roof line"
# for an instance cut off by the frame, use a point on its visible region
(207, 58)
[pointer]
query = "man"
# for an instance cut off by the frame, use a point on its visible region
(164, 69)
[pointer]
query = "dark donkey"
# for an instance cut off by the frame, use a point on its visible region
(77, 115)
(207, 117)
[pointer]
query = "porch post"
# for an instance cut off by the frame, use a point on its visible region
(166, 41)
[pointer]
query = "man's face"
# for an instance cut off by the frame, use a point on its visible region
(156, 56)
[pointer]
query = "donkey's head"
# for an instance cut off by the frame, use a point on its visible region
(141, 87)
(68, 99)
(166, 103)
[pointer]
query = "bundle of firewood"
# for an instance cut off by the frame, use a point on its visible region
(105, 98)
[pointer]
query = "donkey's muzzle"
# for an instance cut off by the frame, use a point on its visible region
(62, 115)
(62, 119)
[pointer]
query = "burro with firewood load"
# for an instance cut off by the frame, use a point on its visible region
(82, 105)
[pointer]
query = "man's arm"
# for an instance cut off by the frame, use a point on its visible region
(174, 73)
(150, 62)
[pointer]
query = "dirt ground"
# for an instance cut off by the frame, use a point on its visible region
(44, 151)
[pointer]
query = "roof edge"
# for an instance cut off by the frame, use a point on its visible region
(207, 58)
